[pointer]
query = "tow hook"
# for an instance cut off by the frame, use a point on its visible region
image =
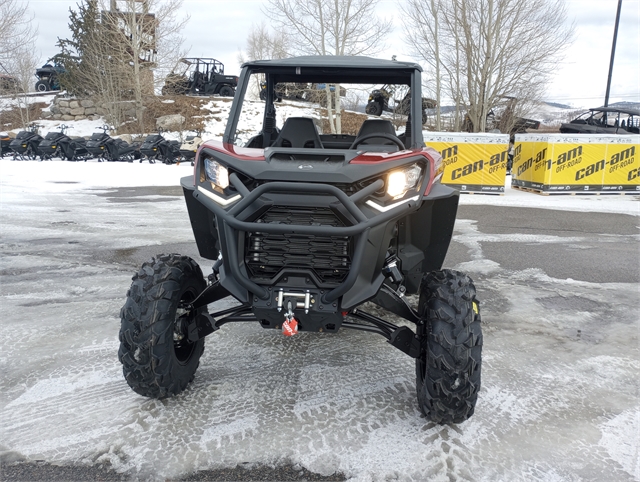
(290, 325)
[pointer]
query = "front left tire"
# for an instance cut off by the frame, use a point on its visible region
(448, 367)
(42, 86)
(157, 361)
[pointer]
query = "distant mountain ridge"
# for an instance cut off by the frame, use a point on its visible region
(559, 106)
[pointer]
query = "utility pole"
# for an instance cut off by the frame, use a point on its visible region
(613, 53)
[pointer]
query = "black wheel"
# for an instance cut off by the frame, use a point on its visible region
(227, 91)
(156, 361)
(42, 86)
(448, 368)
(373, 108)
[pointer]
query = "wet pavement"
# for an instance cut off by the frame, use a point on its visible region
(560, 393)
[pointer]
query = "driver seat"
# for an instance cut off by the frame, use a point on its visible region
(298, 132)
(373, 126)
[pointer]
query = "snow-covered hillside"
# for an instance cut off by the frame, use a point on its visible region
(550, 115)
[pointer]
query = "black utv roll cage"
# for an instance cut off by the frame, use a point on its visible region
(338, 69)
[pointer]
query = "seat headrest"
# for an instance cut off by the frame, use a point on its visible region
(298, 132)
(371, 126)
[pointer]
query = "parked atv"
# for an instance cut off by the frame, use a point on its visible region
(199, 76)
(48, 77)
(106, 148)
(263, 92)
(25, 145)
(157, 148)
(190, 146)
(302, 230)
(379, 102)
(301, 92)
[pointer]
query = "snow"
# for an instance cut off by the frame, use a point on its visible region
(59, 176)
(56, 175)
(604, 203)
(620, 439)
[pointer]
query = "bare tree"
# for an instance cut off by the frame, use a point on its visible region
(146, 35)
(264, 45)
(425, 14)
(488, 50)
(17, 51)
(330, 27)
(116, 47)
(17, 38)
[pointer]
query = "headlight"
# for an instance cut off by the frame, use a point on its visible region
(399, 182)
(216, 173)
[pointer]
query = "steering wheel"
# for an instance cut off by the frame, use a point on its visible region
(384, 135)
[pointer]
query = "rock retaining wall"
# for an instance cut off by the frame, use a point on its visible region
(68, 109)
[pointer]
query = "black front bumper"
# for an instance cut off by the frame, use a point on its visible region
(227, 230)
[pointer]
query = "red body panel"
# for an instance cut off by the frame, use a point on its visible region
(252, 154)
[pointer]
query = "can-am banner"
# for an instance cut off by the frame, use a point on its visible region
(472, 162)
(569, 162)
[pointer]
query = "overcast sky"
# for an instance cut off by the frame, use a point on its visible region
(219, 29)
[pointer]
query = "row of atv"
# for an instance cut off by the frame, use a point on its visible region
(30, 145)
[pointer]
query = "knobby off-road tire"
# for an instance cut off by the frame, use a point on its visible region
(448, 368)
(373, 108)
(227, 91)
(43, 86)
(153, 362)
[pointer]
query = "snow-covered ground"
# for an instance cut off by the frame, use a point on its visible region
(66, 176)
(560, 395)
(214, 127)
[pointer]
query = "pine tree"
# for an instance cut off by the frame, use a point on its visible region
(79, 55)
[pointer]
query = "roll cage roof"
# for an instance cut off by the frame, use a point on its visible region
(622, 110)
(335, 68)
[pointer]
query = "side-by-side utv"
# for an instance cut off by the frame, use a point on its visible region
(303, 227)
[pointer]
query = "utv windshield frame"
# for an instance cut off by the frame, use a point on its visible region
(329, 70)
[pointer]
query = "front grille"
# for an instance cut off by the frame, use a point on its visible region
(329, 257)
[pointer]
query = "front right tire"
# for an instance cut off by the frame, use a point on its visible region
(449, 365)
(157, 361)
(42, 86)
